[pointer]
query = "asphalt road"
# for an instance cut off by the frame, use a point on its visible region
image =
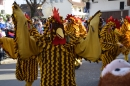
(87, 75)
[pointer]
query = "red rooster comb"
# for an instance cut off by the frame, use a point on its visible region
(69, 16)
(127, 18)
(116, 21)
(111, 19)
(56, 15)
(78, 19)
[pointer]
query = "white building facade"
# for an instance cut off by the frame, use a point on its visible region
(78, 8)
(64, 7)
(107, 5)
(6, 6)
(20, 1)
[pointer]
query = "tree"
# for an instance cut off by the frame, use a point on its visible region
(34, 4)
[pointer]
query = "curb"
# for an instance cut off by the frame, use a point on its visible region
(7, 61)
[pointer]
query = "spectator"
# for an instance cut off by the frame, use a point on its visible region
(9, 28)
(40, 28)
(103, 22)
(9, 24)
(36, 22)
(2, 27)
(2, 33)
(121, 21)
(2, 24)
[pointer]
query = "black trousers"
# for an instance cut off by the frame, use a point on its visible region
(0, 56)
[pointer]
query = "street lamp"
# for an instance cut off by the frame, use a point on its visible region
(39, 7)
(39, 11)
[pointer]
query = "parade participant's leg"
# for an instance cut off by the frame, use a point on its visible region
(29, 83)
(126, 58)
(126, 53)
(0, 57)
(27, 70)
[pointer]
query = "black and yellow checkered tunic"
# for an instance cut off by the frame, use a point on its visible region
(27, 70)
(109, 45)
(57, 62)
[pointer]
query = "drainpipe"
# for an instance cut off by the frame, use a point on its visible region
(121, 13)
(70, 1)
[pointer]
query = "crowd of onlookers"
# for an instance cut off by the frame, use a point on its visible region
(38, 24)
(5, 27)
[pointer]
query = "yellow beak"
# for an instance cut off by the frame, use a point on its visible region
(59, 33)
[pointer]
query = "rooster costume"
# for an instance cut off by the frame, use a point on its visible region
(57, 57)
(111, 47)
(124, 35)
(25, 69)
(74, 26)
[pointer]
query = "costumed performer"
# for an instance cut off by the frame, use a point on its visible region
(25, 69)
(124, 34)
(74, 26)
(110, 45)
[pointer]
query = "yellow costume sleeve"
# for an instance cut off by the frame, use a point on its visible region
(90, 47)
(8, 46)
(25, 44)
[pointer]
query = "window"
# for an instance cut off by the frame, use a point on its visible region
(111, 0)
(51, 1)
(56, 1)
(76, 0)
(61, 1)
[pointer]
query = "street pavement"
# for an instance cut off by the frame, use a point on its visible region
(87, 75)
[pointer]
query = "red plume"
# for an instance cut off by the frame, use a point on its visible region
(110, 19)
(78, 19)
(56, 15)
(127, 18)
(68, 16)
(116, 21)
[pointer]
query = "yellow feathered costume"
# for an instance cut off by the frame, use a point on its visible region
(124, 36)
(57, 68)
(110, 45)
(25, 69)
(74, 26)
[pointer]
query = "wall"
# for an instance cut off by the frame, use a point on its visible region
(105, 5)
(7, 6)
(64, 8)
(20, 2)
